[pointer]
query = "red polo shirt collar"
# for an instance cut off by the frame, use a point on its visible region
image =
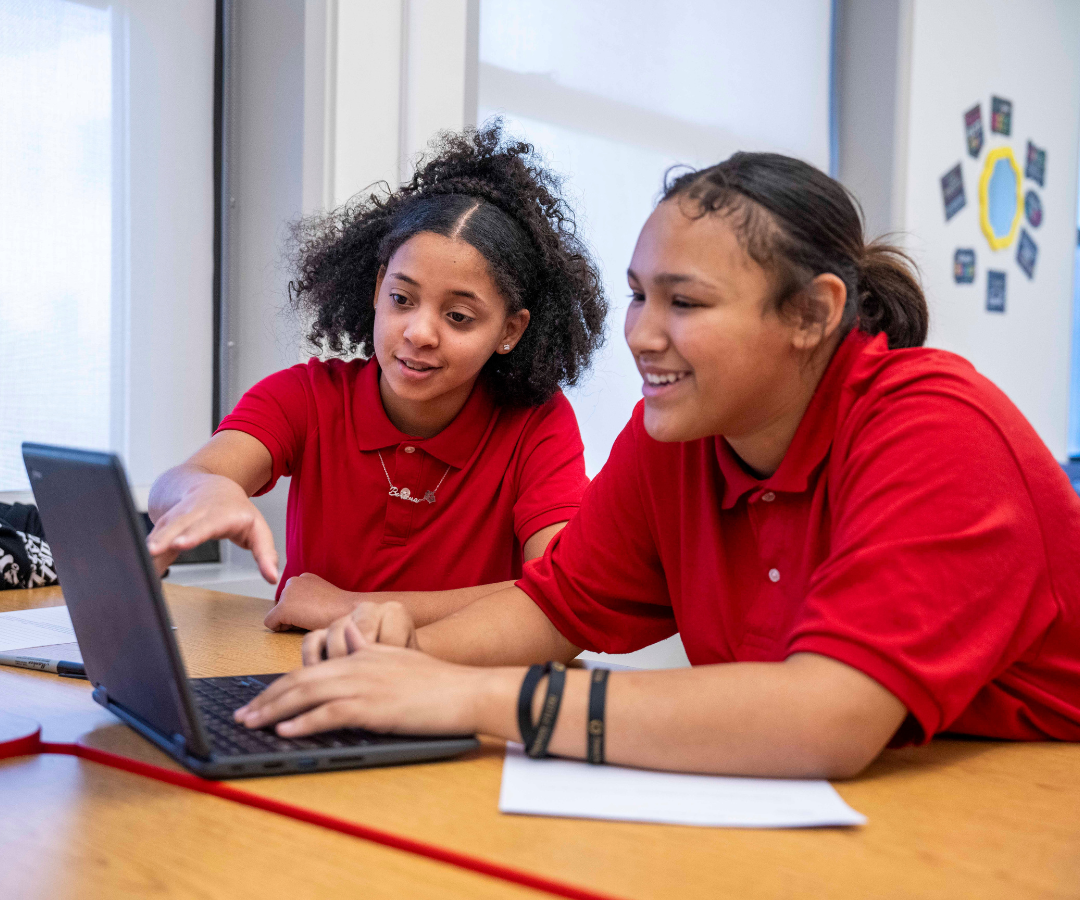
(812, 440)
(454, 445)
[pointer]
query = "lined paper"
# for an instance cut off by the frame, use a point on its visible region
(35, 628)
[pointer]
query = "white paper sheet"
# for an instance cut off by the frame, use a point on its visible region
(560, 787)
(35, 628)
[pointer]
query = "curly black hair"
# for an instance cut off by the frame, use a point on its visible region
(495, 194)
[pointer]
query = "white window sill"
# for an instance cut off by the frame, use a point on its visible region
(230, 578)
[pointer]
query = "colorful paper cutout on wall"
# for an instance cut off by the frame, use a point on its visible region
(1036, 164)
(995, 292)
(1003, 200)
(973, 128)
(1000, 198)
(1001, 116)
(952, 191)
(964, 265)
(1033, 209)
(1027, 251)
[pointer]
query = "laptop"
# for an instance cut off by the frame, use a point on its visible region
(132, 659)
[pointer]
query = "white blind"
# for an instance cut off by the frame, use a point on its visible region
(56, 165)
(106, 229)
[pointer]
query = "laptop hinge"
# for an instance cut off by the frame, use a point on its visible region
(100, 695)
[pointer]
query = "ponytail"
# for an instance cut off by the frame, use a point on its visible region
(798, 223)
(890, 299)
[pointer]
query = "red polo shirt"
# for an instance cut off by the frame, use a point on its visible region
(917, 530)
(509, 472)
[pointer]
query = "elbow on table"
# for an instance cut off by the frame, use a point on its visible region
(842, 747)
(843, 719)
(843, 760)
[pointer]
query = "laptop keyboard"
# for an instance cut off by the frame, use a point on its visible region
(219, 698)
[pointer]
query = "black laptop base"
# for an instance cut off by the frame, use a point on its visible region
(235, 754)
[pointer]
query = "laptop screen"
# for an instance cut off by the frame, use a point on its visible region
(110, 586)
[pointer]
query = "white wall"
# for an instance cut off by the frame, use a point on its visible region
(171, 254)
(382, 77)
(872, 102)
(1027, 51)
(265, 162)
(439, 74)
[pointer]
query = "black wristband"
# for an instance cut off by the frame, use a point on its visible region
(594, 734)
(549, 712)
(525, 696)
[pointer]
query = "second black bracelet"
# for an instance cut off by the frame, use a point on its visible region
(536, 737)
(549, 712)
(595, 731)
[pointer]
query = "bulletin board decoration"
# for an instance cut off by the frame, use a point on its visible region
(964, 265)
(1008, 197)
(952, 191)
(1033, 209)
(973, 130)
(1027, 252)
(1036, 164)
(1001, 116)
(1001, 198)
(995, 292)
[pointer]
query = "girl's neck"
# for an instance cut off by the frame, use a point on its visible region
(423, 419)
(764, 450)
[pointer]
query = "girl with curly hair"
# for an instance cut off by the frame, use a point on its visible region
(429, 467)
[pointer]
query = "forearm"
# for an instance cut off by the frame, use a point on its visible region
(754, 719)
(499, 629)
(171, 486)
(426, 607)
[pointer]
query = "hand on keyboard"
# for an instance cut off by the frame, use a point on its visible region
(376, 687)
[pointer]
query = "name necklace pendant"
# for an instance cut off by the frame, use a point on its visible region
(405, 493)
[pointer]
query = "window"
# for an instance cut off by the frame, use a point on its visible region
(107, 231)
(616, 92)
(57, 352)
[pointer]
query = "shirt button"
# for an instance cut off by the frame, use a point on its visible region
(774, 575)
(410, 449)
(768, 497)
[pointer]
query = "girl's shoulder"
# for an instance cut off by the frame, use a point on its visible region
(933, 402)
(880, 379)
(314, 387)
(320, 378)
(555, 414)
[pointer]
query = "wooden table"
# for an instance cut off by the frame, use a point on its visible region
(955, 819)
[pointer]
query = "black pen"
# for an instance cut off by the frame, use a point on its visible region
(56, 666)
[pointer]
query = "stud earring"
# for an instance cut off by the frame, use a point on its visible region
(506, 347)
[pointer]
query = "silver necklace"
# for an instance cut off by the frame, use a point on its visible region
(405, 493)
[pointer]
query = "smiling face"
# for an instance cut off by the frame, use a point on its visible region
(438, 318)
(715, 357)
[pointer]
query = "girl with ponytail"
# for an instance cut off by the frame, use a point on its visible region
(427, 468)
(861, 541)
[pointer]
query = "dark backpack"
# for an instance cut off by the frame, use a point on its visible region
(25, 558)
